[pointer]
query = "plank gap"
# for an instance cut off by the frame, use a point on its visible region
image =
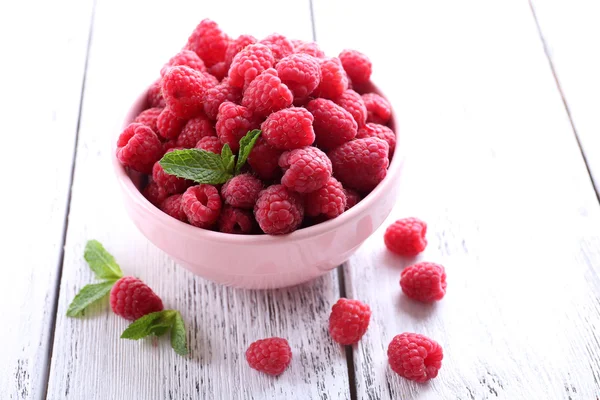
(349, 349)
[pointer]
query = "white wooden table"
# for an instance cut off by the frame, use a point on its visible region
(498, 106)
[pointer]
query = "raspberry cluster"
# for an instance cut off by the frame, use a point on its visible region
(323, 146)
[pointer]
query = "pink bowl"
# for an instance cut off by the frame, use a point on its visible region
(258, 261)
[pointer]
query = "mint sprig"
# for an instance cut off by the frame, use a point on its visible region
(157, 324)
(88, 296)
(246, 145)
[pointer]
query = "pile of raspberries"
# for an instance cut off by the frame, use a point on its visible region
(325, 141)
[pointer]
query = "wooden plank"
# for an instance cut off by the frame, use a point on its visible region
(493, 166)
(571, 34)
(41, 74)
(88, 357)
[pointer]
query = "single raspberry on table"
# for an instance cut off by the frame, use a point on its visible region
(306, 169)
(278, 210)
(357, 66)
(237, 45)
(233, 123)
(155, 193)
(310, 48)
(202, 205)
(183, 89)
(149, 117)
(406, 237)
(219, 70)
(242, 191)
(209, 42)
(235, 220)
(330, 200)
(172, 206)
(219, 94)
(349, 321)
(139, 148)
(333, 79)
(210, 143)
(170, 183)
(415, 357)
(266, 94)
(169, 125)
(288, 129)
(378, 131)
(249, 63)
(280, 45)
(131, 299)
(194, 130)
(352, 198)
(424, 281)
(271, 356)
(332, 124)
(154, 95)
(187, 58)
(354, 104)
(379, 110)
(301, 73)
(264, 160)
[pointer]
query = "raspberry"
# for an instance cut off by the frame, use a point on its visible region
(349, 321)
(415, 357)
(330, 200)
(235, 220)
(280, 45)
(333, 79)
(306, 169)
(215, 96)
(210, 143)
(169, 125)
(301, 73)
(266, 94)
(333, 125)
(219, 70)
(172, 206)
(241, 191)
(424, 281)
(290, 128)
(233, 123)
(357, 66)
(406, 237)
(354, 104)
(209, 42)
(148, 117)
(131, 299)
(183, 89)
(249, 63)
(278, 210)
(170, 183)
(202, 205)
(187, 58)
(194, 130)
(379, 109)
(360, 164)
(271, 356)
(379, 131)
(264, 160)
(237, 45)
(139, 148)
(154, 95)
(169, 145)
(310, 48)
(352, 198)
(154, 193)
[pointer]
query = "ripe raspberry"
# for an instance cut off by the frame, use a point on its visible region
(349, 321)
(333, 79)
(415, 357)
(194, 130)
(170, 144)
(241, 191)
(172, 206)
(219, 70)
(210, 143)
(352, 198)
(215, 96)
(379, 110)
(301, 73)
(170, 183)
(305, 170)
(288, 129)
(235, 220)
(148, 117)
(154, 193)
(183, 89)
(330, 200)
(237, 45)
(202, 205)
(278, 210)
(264, 160)
(406, 237)
(249, 63)
(169, 125)
(354, 104)
(271, 356)
(187, 58)
(233, 123)
(154, 95)
(139, 148)
(209, 42)
(310, 48)
(424, 282)
(280, 45)
(132, 299)
(381, 132)
(333, 125)
(360, 164)
(357, 66)
(266, 94)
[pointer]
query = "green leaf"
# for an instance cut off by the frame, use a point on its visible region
(197, 165)
(178, 336)
(101, 261)
(156, 322)
(246, 145)
(87, 296)
(228, 158)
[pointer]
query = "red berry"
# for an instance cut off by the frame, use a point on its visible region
(139, 148)
(280, 45)
(154, 193)
(415, 357)
(210, 143)
(357, 66)
(278, 210)
(237, 45)
(379, 109)
(202, 205)
(194, 130)
(310, 48)
(215, 96)
(381, 132)
(209, 42)
(349, 321)
(242, 191)
(187, 58)
(170, 183)
(333, 125)
(219, 70)
(183, 89)
(330, 200)
(354, 104)
(306, 169)
(154, 95)
(406, 237)
(264, 160)
(172, 206)
(352, 198)
(170, 144)
(249, 63)
(288, 129)
(424, 282)
(266, 94)
(333, 79)
(301, 73)
(132, 299)
(169, 125)
(360, 164)
(235, 220)
(233, 123)
(149, 117)
(271, 356)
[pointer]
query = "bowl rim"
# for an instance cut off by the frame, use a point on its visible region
(169, 222)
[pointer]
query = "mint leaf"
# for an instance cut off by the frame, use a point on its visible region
(228, 158)
(156, 322)
(87, 296)
(178, 336)
(197, 165)
(101, 262)
(246, 145)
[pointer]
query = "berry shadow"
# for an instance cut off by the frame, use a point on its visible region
(395, 261)
(416, 309)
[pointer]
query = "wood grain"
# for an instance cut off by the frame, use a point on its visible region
(494, 168)
(41, 75)
(89, 359)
